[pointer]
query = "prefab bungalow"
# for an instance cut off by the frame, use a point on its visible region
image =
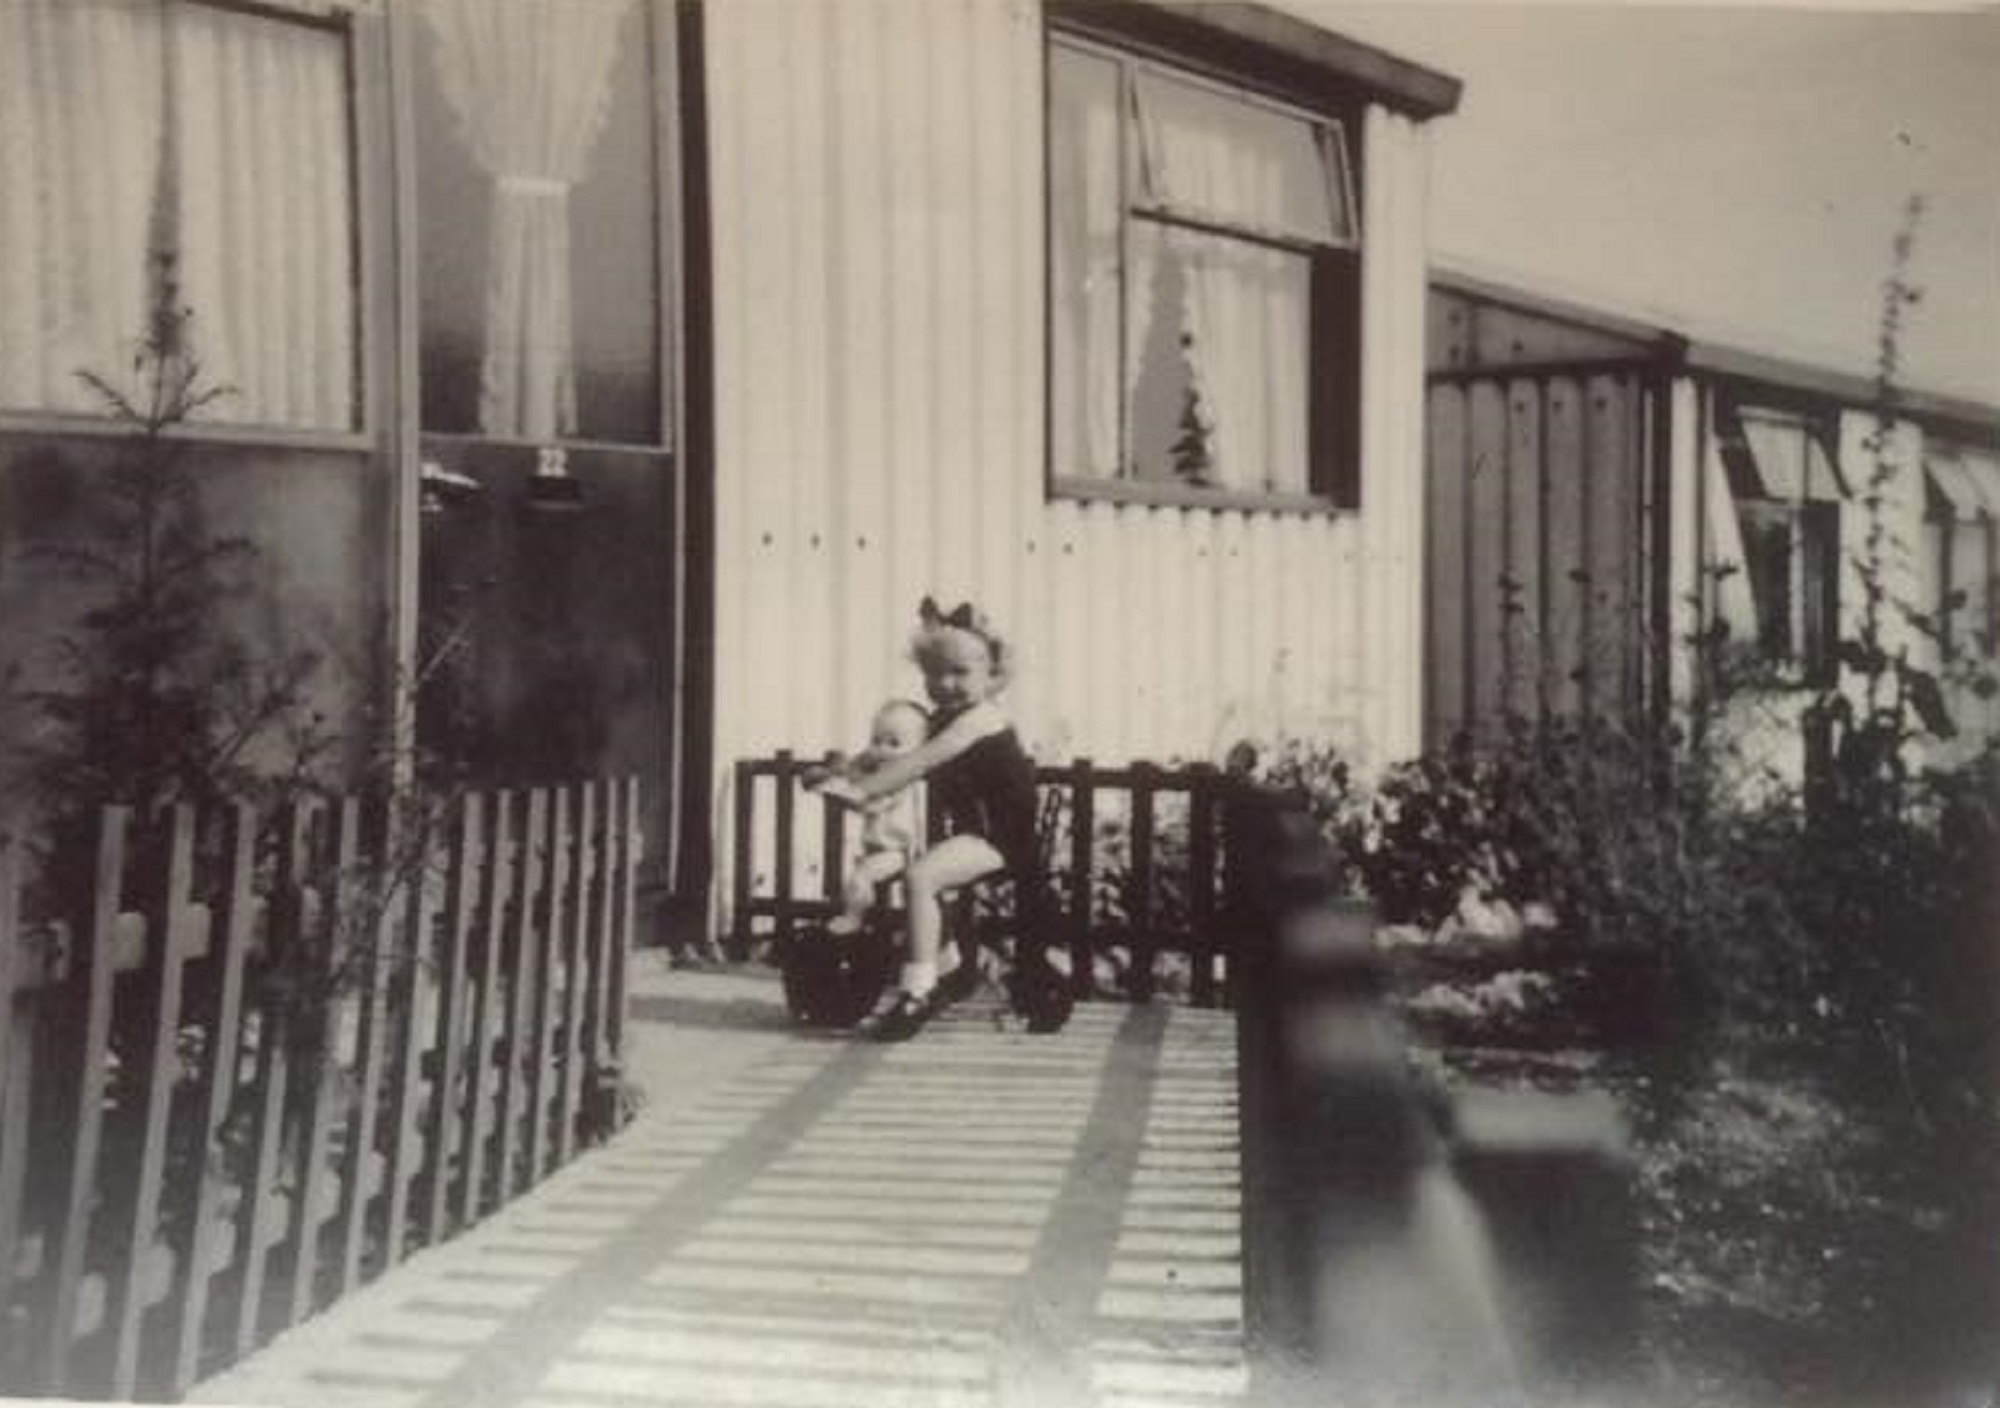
(1589, 475)
(625, 371)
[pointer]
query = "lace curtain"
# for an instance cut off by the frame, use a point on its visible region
(126, 124)
(527, 83)
(1245, 307)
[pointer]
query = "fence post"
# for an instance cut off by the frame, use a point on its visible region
(15, 1047)
(495, 885)
(1139, 885)
(740, 877)
(235, 928)
(1332, 1134)
(454, 990)
(316, 1087)
(91, 1065)
(1082, 850)
(1201, 886)
(781, 863)
(165, 896)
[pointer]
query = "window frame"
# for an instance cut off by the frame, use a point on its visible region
(1945, 518)
(663, 41)
(353, 21)
(1809, 657)
(1334, 277)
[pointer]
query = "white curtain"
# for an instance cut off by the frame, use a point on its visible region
(80, 102)
(123, 122)
(527, 82)
(1084, 262)
(1247, 306)
(1732, 600)
(266, 214)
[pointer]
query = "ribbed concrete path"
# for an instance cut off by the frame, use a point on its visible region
(980, 1216)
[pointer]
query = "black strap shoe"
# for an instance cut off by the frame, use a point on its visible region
(904, 1018)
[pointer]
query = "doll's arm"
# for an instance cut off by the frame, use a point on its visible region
(900, 771)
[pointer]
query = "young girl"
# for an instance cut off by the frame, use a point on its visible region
(982, 782)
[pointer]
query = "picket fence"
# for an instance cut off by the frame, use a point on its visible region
(254, 1060)
(1134, 855)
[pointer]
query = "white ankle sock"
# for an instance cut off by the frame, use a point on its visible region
(919, 978)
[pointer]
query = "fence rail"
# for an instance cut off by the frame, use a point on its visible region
(249, 1061)
(1134, 857)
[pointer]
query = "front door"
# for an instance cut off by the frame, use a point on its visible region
(551, 631)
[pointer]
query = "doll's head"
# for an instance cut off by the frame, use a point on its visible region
(963, 659)
(898, 726)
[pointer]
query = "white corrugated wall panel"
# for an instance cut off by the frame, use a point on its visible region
(877, 197)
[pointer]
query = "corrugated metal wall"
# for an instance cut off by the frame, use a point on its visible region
(879, 282)
(1542, 431)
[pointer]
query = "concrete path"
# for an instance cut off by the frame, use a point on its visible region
(980, 1216)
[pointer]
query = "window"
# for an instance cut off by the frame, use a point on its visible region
(536, 126)
(177, 146)
(1204, 296)
(1962, 487)
(1782, 602)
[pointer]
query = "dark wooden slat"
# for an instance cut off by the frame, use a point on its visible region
(454, 990)
(165, 898)
(16, 1047)
(400, 1116)
(236, 926)
(317, 1084)
(496, 886)
(1525, 619)
(597, 939)
(1139, 897)
(1082, 826)
(528, 880)
(79, 1179)
(832, 845)
(621, 949)
(256, 1233)
(1568, 468)
(551, 922)
(1201, 891)
(573, 1053)
(1445, 424)
(745, 799)
(781, 863)
(363, 1120)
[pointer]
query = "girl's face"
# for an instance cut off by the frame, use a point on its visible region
(958, 669)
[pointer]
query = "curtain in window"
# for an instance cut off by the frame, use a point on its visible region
(1734, 602)
(126, 122)
(1244, 323)
(527, 81)
(80, 103)
(266, 213)
(1084, 262)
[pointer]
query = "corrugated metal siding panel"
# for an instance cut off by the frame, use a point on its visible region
(877, 205)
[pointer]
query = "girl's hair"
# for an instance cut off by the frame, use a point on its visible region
(933, 623)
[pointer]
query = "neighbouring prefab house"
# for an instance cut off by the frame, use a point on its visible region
(622, 373)
(1603, 489)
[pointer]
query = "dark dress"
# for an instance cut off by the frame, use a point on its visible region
(989, 791)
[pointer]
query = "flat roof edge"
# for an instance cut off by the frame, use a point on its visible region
(1705, 357)
(1293, 43)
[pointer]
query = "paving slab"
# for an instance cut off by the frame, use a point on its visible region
(979, 1216)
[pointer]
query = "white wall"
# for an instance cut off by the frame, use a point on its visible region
(878, 230)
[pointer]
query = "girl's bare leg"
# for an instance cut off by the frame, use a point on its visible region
(956, 861)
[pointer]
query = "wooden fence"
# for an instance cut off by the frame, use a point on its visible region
(1134, 859)
(248, 1062)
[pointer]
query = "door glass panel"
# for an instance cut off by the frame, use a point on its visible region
(538, 217)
